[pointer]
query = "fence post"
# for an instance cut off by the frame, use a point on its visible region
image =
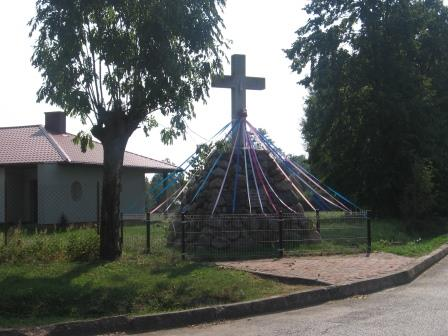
(148, 232)
(183, 236)
(369, 234)
(280, 235)
(318, 220)
(121, 229)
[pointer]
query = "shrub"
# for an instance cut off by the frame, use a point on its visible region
(30, 248)
(418, 196)
(75, 245)
(82, 245)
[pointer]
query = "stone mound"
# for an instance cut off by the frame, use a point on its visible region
(234, 227)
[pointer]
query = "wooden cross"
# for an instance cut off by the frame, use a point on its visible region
(239, 83)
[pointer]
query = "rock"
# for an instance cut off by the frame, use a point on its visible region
(216, 225)
(223, 164)
(233, 234)
(313, 237)
(215, 183)
(236, 224)
(283, 186)
(219, 172)
(204, 240)
(253, 225)
(299, 208)
(220, 243)
(246, 231)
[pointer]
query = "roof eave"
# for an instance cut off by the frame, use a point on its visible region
(149, 170)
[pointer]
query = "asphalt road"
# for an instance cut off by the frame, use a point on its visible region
(419, 308)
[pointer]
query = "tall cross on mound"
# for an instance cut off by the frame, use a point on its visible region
(239, 83)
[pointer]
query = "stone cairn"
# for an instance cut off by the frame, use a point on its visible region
(227, 229)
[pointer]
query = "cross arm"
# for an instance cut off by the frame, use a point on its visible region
(225, 82)
(255, 83)
(228, 82)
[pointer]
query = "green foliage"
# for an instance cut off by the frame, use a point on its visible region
(206, 155)
(59, 290)
(413, 248)
(418, 196)
(107, 61)
(199, 160)
(268, 139)
(74, 245)
(67, 291)
(376, 121)
(84, 140)
(394, 236)
(300, 160)
(82, 246)
(115, 64)
(155, 186)
(223, 146)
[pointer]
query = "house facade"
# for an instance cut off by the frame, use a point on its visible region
(46, 179)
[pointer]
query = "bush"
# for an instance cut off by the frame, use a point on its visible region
(25, 248)
(82, 245)
(417, 200)
(75, 245)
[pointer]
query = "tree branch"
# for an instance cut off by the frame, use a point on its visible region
(101, 82)
(92, 52)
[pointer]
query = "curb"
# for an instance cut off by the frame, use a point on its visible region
(274, 304)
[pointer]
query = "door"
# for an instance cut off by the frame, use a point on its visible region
(33, 201)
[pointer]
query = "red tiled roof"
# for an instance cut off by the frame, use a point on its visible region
(33, 144)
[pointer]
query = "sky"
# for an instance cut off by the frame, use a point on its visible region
(261, 29)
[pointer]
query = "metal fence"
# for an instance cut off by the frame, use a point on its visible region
(146, 236)
(238, 236)
(250, 236)
(247, 236)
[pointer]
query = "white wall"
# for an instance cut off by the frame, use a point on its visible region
(2, 195)
(54, 193)
(132, 200)
(55, 197)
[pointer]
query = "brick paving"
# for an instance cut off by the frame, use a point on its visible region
(334, 270)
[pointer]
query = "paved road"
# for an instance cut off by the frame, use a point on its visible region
(420, 308)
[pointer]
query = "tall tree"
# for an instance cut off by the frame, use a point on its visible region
(375, 69)
(115, 64)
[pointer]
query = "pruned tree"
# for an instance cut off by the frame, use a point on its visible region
(116, 64)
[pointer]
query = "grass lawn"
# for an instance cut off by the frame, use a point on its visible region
(46, 278)
(390, 236)
(50, 278)
(36, 294)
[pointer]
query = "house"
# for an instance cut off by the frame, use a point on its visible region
(46, 179)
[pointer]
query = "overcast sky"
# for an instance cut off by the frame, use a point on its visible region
(258, 28)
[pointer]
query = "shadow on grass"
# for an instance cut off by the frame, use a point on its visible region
(34, 293)
(177, 269)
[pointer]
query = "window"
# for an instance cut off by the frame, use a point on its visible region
(76, 191)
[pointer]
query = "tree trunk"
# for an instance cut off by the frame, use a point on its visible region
(110, 244)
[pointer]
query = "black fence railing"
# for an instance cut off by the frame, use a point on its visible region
(232, 236)
(147, 234)
(250, 236)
